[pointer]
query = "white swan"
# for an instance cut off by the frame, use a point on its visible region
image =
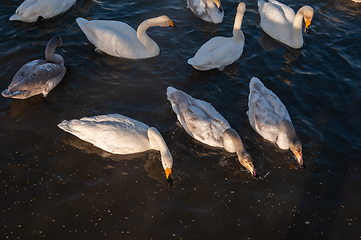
(30, 10)
(119, 134)
(269, 117)
(120, 40)
(38, 76)
(280, 22)
(202, 122)
(207, 10)
(219, 52)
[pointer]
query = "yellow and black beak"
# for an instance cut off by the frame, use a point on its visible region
(168, 175)
(171, 24)
(219, 6)
(307, 26)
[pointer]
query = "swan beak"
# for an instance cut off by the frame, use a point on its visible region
(300, 160)
(219, 6)
(307, 26)
(255, 175)
(171, 24)
(168, 175)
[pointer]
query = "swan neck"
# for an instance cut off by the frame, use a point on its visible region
(157, 142)
(286, 133)
(143, 37)
(297, 28)
(237, 33)
(232, 141)
(50, 55)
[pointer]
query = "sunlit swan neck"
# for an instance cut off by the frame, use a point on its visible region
(50, 55)
(143, 37)
(237, 33)
(157, 142)
(286, 134)
(297, 39)
(232, 141)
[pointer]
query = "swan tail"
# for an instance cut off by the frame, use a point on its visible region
(191, 62)
(64, 125)
(81, 22)
(170, 90)
(16, 17)
(255, 83)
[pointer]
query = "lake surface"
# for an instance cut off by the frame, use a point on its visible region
(55, 186)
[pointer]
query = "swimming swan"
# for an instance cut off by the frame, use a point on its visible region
(280, 22)
(207, 10)
(202, 122)
(30, 10)
(120, 40)
(38, 76)
(119, 134)
(219, 52)
(269, 117)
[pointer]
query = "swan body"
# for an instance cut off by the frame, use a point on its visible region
(202, 122)
(207, 10)
(269, 117)
(220, 52)
(281, 23)
(30, 10)
(119, 134)
(38, 76)
(120, 40)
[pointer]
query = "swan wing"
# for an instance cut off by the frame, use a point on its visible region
(112, 37)
(113, 133)
(274, 21)
(35, 75)
(287, 11)
(198, 118)
(266, 110)
(217, 52)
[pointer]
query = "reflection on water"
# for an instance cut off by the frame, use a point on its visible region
(56, 186)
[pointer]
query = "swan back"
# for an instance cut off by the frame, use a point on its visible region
(265, 110)
(113, 133)
(198, 118)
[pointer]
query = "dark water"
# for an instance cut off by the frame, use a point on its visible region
(54, 186)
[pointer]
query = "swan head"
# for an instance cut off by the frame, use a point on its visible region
(218, 5)
(307, 17)
(241, 7)
(164, 21)
(246, 160)
(296, 148)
